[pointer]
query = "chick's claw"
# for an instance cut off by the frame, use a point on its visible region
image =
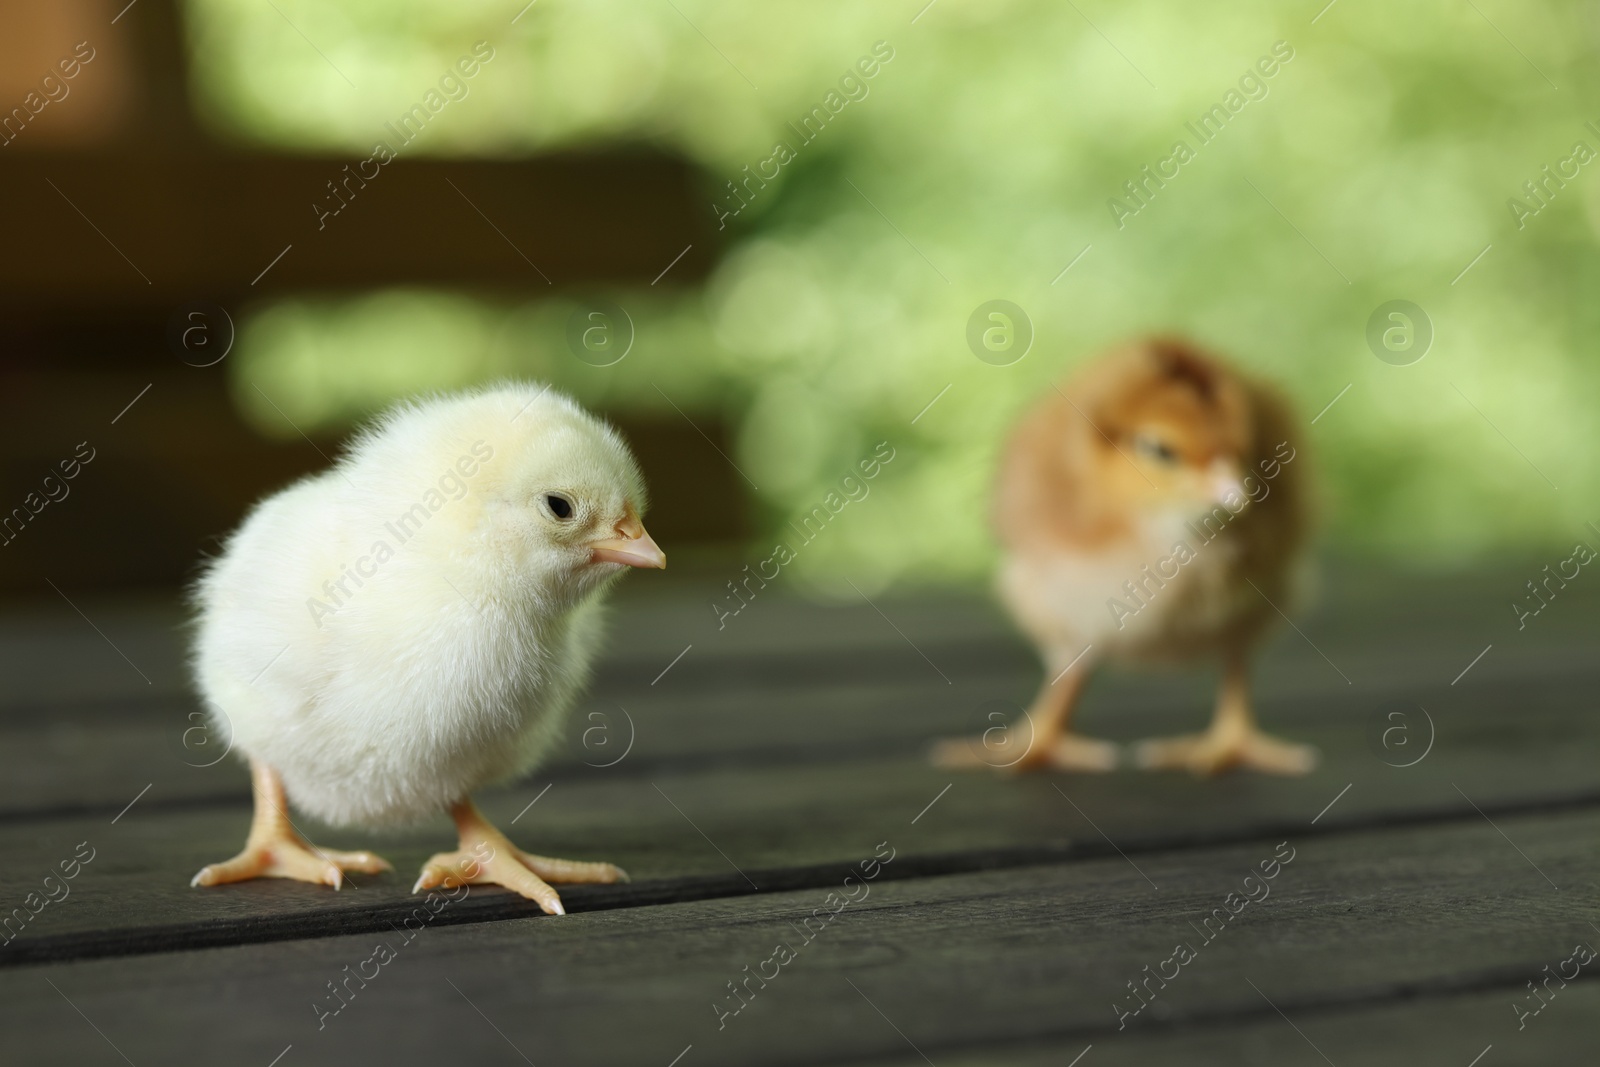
(1070, 752)
(573, 872)
(275, 849)
(1011, 751)
(289, 856)
(1216, 751)
(503, 867)
(487, 857)
(521, 872)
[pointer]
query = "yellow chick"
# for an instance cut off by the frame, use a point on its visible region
(384, 638)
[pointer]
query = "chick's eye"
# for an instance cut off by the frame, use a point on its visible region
(1154, 448)
(559, 506)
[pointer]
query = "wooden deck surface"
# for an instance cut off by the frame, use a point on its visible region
(742, 774)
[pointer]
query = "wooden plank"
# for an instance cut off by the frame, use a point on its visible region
(841, 684)
(202, 223)
(807, 761)
(789, 824)
(95, 762)
(1447, 1028)
(52, 656)
(1035, 954)
(1380, 628)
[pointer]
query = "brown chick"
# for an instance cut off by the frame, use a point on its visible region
(1154, 509)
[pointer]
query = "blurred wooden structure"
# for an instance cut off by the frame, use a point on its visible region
(119, 209)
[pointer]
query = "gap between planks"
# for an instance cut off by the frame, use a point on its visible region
(499, 906)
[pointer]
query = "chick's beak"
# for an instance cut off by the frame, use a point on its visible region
(632, 547)
(1225, 481)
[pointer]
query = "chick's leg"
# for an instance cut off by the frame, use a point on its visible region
(274, 849)
(1040, 739)
(1233, 739)
(487, 857)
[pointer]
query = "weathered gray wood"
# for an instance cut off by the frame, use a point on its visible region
(93, 761)
(1355, 924)
(841, 684)
(793, 740)
(788, 824)
(1404, 1032)
(1379, 628)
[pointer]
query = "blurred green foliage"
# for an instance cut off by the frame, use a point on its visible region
(1377, 165)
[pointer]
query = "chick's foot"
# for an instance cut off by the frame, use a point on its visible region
(1009, 750)
(487, 857)
(274, 849)
(288, 855)
(1216, 751)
